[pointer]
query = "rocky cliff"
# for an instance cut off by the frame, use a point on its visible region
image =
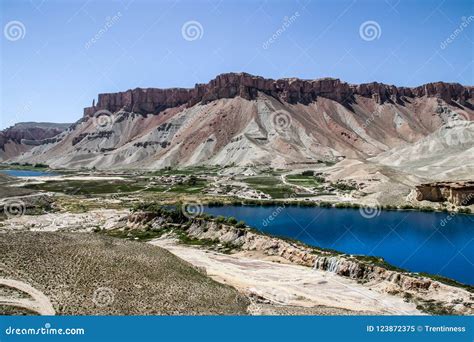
(24, 135)
(458, 193)
(291, 90)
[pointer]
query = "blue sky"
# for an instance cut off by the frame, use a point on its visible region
(63, 53)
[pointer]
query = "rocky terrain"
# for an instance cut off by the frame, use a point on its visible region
(240, 119)
(458, 193)
(92, 274)
(23, 136)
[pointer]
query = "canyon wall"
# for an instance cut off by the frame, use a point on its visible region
(291, 90)
(458, 193)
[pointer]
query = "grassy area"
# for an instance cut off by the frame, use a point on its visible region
(192, 170)
(197, 187)
(306, 181)
(86, 187)
(272, 186)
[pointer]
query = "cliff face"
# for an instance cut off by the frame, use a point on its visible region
(31, 131)
(458, 193)
(24, 135)
(153, 100)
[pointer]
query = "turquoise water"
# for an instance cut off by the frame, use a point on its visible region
(435, 243)
(27, 173)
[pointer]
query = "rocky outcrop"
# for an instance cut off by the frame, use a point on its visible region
(457, 193)
(31, 131)
(25, 135)
(291, 90)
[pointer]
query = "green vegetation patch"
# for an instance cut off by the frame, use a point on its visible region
(86, 187)
(305, 180)
(272, 186)
(192, 170)
(195, 186)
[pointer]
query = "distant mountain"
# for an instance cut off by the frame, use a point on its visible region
(240, 119)
(23, 136)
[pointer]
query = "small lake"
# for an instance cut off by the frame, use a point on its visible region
(27, 173)
(436, 243)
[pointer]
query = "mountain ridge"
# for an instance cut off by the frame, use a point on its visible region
(240, 119)
(291, 90)
(22, 136)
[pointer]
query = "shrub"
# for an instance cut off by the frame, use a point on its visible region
(220, 219)
(232, 220)
(343, 186)
(240, 224)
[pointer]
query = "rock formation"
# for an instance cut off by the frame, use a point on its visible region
(292, 90)
(24, 135)
(457, 193)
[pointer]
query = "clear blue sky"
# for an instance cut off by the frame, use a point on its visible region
(54, 70)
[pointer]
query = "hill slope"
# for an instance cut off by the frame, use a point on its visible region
(446, 154)
(243, 119)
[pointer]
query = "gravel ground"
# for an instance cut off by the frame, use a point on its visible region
(91, 274)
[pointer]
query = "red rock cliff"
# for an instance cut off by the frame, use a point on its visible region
(154, 100)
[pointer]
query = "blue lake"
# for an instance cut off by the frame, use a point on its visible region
(27, 173)
(416, 241)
